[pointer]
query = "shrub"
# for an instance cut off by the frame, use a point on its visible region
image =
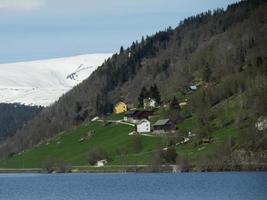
(95, 154)
(49, 165)
(62, 166)
(170, 155)
(156, 161)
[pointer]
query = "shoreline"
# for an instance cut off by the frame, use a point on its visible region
(132, 168)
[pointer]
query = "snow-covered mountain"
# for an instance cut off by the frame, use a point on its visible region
(43, 82)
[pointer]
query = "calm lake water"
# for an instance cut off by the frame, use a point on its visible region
(191, 186)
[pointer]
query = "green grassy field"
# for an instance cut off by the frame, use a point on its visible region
(223, 126)
(111, 138)
(115, 140)
(192, 151)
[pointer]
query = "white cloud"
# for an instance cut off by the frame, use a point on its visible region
(20, 4)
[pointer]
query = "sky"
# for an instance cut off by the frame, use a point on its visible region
(43, 29)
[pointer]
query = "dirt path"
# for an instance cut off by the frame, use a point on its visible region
(117, 121)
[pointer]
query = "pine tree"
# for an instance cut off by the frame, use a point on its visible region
(99, 109)
(155, 94)
(175, 104)
(78, 107)
(207, 73)
(121, 50)
(144, 94)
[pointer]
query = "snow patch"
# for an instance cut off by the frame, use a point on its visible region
(43, 82)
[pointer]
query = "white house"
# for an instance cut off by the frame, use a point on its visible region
(149, 103)
(101, 163)
(193, 87)
(143, 126)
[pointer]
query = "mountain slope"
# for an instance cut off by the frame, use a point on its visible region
(14, 116)
(43, 82)
(225, 51)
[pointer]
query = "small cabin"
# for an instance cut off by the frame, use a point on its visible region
(143, 126)
(193, 87)
(101, 163)
(164, 126)
(149, 103)
(120, 107)
(129, 116)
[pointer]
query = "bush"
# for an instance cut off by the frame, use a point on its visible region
(52, 165)
(183, 163)
(96, 154)
(62, 166)
(156, 161)
(170, 155)
(49, 165)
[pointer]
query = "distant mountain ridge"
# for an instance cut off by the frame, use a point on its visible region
(43, 82)
(14, 117)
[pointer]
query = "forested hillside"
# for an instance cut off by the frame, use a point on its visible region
(224, 51)
(14, 116)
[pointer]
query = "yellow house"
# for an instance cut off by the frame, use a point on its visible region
(120, 107)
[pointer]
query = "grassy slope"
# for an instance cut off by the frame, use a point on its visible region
(114, 137)
(67, 146)
(223, 126)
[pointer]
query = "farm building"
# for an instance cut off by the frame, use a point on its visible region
(164, 126)
(143, 126)
(136, 116)
(129, 116)
(149, 103)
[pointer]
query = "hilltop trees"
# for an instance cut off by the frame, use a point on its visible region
(121, 50)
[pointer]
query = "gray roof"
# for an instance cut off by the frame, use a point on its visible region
(161, 122)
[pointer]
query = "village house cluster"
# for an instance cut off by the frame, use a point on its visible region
(142, 118)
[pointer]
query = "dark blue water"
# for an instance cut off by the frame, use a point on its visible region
(191, 186)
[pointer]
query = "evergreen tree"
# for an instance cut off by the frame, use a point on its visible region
(175, 104)
(144, 94)
(170, 155)
(121, 50)
(143, 40)
(155, 94)
(207, 73)
(78, 107)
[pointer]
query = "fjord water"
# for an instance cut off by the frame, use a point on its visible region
(130, 186)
